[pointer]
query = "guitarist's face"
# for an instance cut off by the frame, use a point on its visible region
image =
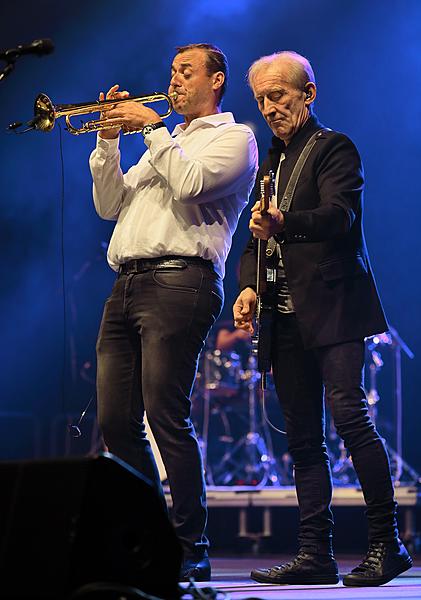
(284, 107)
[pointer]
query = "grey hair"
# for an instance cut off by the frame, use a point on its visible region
(300, 72)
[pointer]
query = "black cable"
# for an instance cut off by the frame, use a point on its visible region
(63, 278)
(74, 428)
(266, 416)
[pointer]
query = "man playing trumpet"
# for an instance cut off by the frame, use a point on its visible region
(176, 211)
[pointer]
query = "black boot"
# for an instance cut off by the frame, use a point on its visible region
(383, 562)
(306, 569)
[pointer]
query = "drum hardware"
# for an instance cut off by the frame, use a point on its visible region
(343, 472)
(402, 472)
(250, 461)
(206, 418)
(216, 380)
(373, 397)
(223, 373)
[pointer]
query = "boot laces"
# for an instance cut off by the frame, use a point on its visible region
(373, 557)
(296, 561)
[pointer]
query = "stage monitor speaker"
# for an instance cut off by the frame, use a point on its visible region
(71, 522)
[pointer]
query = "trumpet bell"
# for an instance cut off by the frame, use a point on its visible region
(44, 113)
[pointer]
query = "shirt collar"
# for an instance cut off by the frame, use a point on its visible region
(210, 121)
(299, 139)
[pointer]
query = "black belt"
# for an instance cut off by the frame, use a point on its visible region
(141, 265)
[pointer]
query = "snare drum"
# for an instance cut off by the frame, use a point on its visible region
(222, 373)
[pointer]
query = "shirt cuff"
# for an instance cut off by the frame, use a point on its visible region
(107, 146)
(157, 137)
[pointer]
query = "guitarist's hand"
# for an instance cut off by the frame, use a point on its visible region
(244, 309)
(265, 225)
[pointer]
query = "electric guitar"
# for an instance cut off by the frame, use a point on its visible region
(265, 289)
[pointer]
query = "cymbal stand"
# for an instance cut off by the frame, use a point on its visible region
(206, 420)
(373, 397)
(343, 472)
(393, 339)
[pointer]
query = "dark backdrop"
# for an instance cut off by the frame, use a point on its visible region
(366, 56)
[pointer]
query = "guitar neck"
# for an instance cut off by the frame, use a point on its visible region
(267, 190)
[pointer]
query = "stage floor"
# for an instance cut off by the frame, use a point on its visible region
(232, 576)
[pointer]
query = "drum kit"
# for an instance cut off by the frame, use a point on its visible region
(237, 437)
(235, 440)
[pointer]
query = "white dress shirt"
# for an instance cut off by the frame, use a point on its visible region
(185, 195)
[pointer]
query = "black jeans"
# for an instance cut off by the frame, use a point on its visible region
(301, 376)
(153, 328)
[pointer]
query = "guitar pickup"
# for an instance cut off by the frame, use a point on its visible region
(270, 275)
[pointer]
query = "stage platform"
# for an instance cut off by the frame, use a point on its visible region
(247, 496)
(232, 576)
(247, 499)
(243, 496)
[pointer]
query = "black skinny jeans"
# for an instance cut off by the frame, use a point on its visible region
(302, 377)
(153, 328)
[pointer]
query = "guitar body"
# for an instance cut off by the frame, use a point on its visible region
(262, 340)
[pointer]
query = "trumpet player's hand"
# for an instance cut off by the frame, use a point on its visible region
(266, 225)
(131, 116)
(244, 309)
(113, 93)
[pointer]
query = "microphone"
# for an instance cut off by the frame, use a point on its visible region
(38, 47)
(30, 125)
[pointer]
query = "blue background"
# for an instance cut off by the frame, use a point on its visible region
(366, 56)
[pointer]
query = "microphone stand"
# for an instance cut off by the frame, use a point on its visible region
(7, 69)
(10, 56)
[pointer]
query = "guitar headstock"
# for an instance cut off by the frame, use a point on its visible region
(267, 190)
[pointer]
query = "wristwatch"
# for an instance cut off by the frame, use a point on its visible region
(151, 127)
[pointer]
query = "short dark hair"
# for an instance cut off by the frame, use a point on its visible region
(215, 61)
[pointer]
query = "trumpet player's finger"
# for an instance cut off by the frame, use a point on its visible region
(112, 91)
(119, 95)
(108, 107)
(114, 123)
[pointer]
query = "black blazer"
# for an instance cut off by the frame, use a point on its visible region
(323, 249)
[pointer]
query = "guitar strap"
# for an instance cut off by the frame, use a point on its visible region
(288, 195)
(266, 302)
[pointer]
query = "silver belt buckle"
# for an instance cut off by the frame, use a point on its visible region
(171, 263)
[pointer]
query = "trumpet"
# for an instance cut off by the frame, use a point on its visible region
(46, 113)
